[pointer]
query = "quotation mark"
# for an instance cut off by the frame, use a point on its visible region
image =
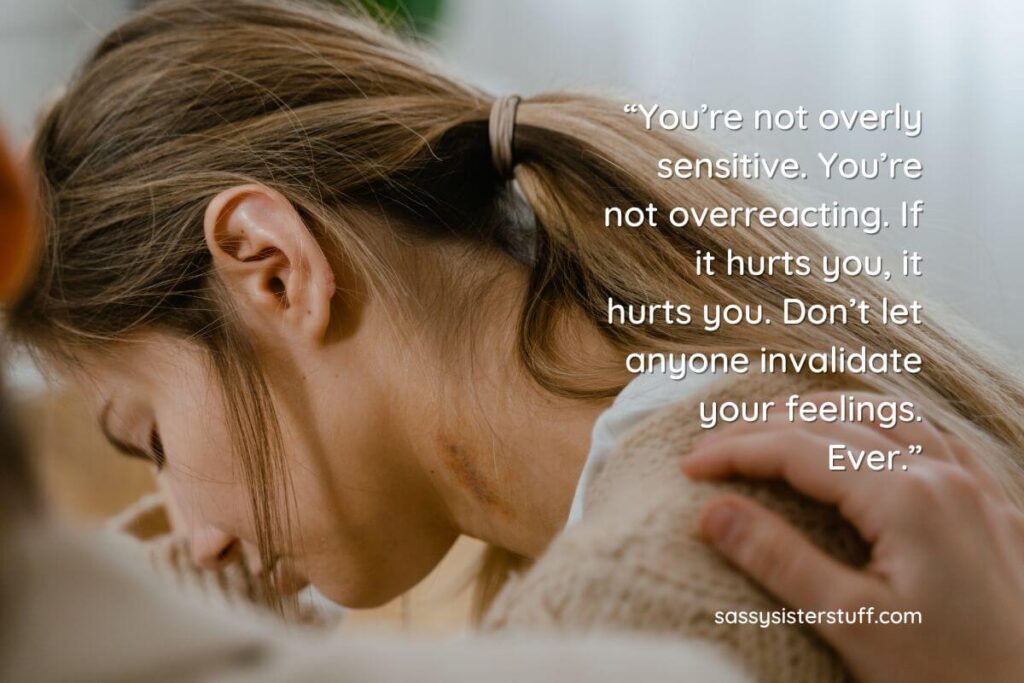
(631, 108)
(912, 449)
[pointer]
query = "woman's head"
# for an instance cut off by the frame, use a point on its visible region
(269, 229)
(259, 219)
(275, 233)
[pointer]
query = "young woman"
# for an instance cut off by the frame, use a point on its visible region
(48, 571)
(76, 607)
(351, 310)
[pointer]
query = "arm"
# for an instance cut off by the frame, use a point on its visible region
(946, 542)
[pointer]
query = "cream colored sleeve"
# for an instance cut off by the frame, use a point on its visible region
(77, 609)
(515, 659)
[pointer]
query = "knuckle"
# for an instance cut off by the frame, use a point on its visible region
(803, 439)
(756, 558)
(956, 483)
(960, 480)
(782, 439)
(919, 485)
(761, 555)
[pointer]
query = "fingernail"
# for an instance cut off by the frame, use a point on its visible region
(719, 522)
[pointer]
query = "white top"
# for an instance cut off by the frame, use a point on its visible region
(643, 396)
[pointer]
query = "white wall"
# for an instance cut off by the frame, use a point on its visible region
(41, 42)
(961, 62)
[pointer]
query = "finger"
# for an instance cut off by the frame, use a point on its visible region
(922, 432)
(861, 438)
(800, 458)
(851, 434)
(776, 555)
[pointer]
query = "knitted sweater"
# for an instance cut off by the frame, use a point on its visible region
(635, 563)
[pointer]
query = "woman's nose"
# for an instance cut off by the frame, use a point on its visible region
(213, 548)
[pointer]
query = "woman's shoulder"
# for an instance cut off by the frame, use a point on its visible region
(647, 453)
(634, 561)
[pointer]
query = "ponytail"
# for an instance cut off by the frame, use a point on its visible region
(578, 155)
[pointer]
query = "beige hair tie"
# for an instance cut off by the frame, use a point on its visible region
(502, 128)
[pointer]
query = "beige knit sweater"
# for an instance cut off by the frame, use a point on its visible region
(635, 563)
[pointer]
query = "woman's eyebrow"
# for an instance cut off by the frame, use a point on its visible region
(118, 444)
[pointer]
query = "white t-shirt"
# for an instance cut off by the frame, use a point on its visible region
(643, 396)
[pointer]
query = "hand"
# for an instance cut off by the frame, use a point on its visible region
(946, 541)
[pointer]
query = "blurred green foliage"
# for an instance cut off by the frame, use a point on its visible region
(418, 15)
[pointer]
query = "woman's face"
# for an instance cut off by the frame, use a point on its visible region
(359, 496)
(364, 526)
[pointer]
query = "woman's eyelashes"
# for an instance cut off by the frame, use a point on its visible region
(156, 448)
(155, 452)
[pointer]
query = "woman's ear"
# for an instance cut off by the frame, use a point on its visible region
(277, 273)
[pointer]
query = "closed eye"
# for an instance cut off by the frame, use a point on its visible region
(156, 447)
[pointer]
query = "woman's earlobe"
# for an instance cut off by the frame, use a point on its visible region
(271, 264)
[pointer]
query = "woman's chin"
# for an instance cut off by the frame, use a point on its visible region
(286, 579)
(350, 595)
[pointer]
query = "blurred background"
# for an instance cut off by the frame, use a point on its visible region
(959, 62)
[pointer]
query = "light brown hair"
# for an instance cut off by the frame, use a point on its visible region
(190, 97)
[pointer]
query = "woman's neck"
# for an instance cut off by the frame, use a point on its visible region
(516, 474)
(508, 455)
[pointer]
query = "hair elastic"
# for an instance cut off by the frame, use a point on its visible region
(501, 129)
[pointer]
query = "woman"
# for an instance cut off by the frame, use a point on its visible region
(753, 534)
(76, 608)
(288, 262)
